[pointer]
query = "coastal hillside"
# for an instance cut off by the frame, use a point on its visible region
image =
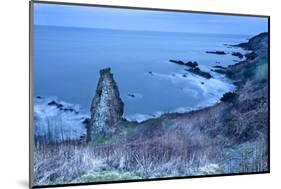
(230, 136)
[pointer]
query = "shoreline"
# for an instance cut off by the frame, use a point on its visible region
(229, 136)
(140, 118)
(179, 111)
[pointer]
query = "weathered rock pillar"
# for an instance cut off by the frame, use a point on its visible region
(107, 107)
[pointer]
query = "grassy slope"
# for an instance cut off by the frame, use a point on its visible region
(238, 127)
(229, 137)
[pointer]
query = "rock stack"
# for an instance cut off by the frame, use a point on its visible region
(106, 109)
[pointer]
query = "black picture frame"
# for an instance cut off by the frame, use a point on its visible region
(31, 95)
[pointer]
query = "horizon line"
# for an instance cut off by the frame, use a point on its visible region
(89, 28)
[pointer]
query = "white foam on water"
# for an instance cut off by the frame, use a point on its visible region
(143, 117)
(68, 125)
(212, 90)
(56, 123)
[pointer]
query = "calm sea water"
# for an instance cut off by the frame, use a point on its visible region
(67, 63)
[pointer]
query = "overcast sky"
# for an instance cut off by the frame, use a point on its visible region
(112, 18)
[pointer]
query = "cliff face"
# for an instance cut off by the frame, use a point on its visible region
(229, 137)
(258, 44)
(107, 107)
(255, 67)
(235, 127)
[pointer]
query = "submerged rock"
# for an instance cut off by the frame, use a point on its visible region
(220, 71)
(238, 54)
(151, 73)
(54, 103)
(189, 63)
(69, 110)
(199, 72)
(131, 95)
(219, 67)
(216, 52)
(107, 107)
(61, 107)
(177, 61)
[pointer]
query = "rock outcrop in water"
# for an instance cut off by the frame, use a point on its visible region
(238, 54)
(194, 68)
(216, 52)
(189, 63)
(107, 107)
(199, 72)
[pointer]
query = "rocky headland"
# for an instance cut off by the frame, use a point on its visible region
(228, 137)
(236, 123)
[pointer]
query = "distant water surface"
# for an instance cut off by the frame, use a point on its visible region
(68, 60)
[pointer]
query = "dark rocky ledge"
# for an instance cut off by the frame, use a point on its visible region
(189, 63)
(62, 107)
(193, 68)
(216, 52)
(199, 72)
(219, 67)
(131, 95)
(238, 54)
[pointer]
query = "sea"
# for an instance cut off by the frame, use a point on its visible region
(67, 62)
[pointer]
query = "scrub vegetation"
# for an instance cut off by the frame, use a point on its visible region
(228, 137)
